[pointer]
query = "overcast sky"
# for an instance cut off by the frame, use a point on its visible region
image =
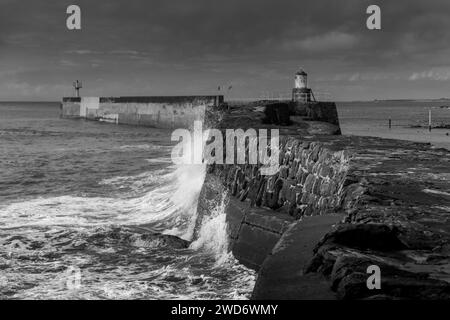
(172, 47)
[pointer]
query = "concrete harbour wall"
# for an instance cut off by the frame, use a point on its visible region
(160, 112)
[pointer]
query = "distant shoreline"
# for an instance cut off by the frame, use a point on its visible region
(251, 99)
(398, 100)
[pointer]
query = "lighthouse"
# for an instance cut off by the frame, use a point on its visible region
(301, 92)
(301, 80)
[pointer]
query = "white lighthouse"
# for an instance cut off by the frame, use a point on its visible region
(301, 79)
(301, 92)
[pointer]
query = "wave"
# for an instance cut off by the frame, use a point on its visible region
(144, 147)
(167, 204)
(171, 204)
(159, 160)
(114, 263)
(28, 132)
(213, 232)
(140, 183)
(109, 240)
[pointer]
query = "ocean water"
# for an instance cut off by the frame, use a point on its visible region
(75, 198)
(409, 120)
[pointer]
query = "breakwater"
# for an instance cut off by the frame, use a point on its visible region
(159, 112)
(309, 182)
(389, 209)
(338, 205)
(317, 111)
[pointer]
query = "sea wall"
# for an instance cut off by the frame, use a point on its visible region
(337, 205)
(290, 118)
(182, 111)
(393, 213)
(261, 208)
(316, 111)
(159, 112)
(375, 202)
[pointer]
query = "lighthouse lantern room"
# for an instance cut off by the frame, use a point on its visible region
(301, 79)
(301, 92)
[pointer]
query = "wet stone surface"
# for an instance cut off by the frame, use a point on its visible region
(397, 204)
(394, 197)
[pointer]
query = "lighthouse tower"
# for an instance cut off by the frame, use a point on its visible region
(301, 92)
(301, 80)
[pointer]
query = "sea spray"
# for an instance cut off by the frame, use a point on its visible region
(103, 189)
(213, 234)
(189, 182)
(168, 201)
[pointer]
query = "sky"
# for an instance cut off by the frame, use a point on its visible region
(188, 47)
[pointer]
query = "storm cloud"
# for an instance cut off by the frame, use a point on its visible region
(156, 47)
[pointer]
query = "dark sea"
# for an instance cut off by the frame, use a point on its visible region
(409, 120)
(75, 199)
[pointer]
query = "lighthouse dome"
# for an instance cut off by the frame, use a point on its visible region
(301, 73)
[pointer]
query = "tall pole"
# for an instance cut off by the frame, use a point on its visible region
(429, 120)
(77, 85)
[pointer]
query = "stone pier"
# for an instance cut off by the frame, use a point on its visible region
(337, 205)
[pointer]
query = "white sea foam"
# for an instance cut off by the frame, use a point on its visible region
(174, 202)
(141, 182)
(43, 236)
(213, 234)
(172, 205)
(159, 160)
(143, 147)
(440, 192)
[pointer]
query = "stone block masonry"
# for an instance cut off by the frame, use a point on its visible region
(317, 111)
(309, 180)
(159, 111)
(390, 209)
(260, 209)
